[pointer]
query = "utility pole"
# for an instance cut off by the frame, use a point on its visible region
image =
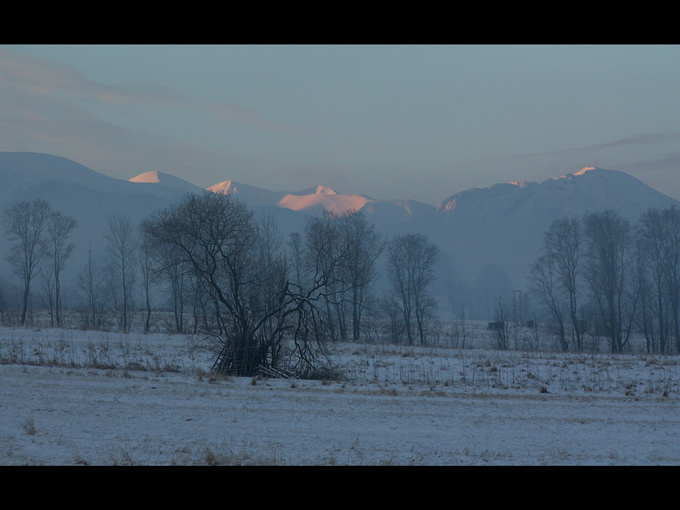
(517, 306)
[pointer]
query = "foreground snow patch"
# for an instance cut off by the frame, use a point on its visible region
(81, 397)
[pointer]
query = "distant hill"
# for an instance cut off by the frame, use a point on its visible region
(488, 236)
(167, 180)
(496, 232)
(77, 191)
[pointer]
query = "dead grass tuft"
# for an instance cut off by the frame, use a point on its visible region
(29, 426)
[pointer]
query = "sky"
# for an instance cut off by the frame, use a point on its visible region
(419, 122)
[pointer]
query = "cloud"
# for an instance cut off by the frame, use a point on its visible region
(41, 97)
(671, 161)
(643, 139)
(54, 108)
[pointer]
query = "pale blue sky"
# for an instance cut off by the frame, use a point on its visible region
(390, 121)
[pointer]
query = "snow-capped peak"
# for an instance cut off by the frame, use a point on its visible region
(224, 188)
(584, 170)
(325, 189)
(166, 180)
(580, 172)
(147, 177)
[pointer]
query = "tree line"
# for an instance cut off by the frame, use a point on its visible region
(41, 249)
(264, 301)
(39, 234)
(271, 302)
(603, 275)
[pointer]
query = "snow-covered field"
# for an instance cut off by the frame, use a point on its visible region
(71, 397)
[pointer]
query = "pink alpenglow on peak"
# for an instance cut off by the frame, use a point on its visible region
(584, 170)
(224, 188)
(580, 172)
(326, 190)
(164, 180)
(326, 198)
(147, 177)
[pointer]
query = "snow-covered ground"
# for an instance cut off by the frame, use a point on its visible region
(72, 397)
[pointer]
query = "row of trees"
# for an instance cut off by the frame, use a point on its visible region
(276, 304)
(41, 249)
(40, 235)
(267, 301)
(602, 274)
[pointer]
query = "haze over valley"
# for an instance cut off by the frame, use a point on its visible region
(488, 237)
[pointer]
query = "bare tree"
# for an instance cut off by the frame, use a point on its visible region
(122, 248)
(410, 268)
(562, 246)
(348, 241)
(272, 270)
(658, 236)
(148, 277)
(296, 257)
(609, 246)
(240, 268)
(392, 312)
(3, 303)
(555, 278)
(364, 246)
(25, 223)
(48, 293)
(326, 253)
(59, 227)
(168, 267)
(500, 332)
(92, 285)
(544, 286)
(214, 235)
(671, 266)
(651, 319)
(651, 280)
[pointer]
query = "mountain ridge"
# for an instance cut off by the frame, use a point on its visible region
(496, 230)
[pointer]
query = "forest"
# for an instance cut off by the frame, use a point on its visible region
(262, 302)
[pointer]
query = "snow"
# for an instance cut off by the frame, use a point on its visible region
(224, 188)
(510, 218)
(326, 198)
(72, 397)
(585, 169)
(147, 177)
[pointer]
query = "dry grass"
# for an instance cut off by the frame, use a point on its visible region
(29, 426)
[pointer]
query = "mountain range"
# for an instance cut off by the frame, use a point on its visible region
(487, 237)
